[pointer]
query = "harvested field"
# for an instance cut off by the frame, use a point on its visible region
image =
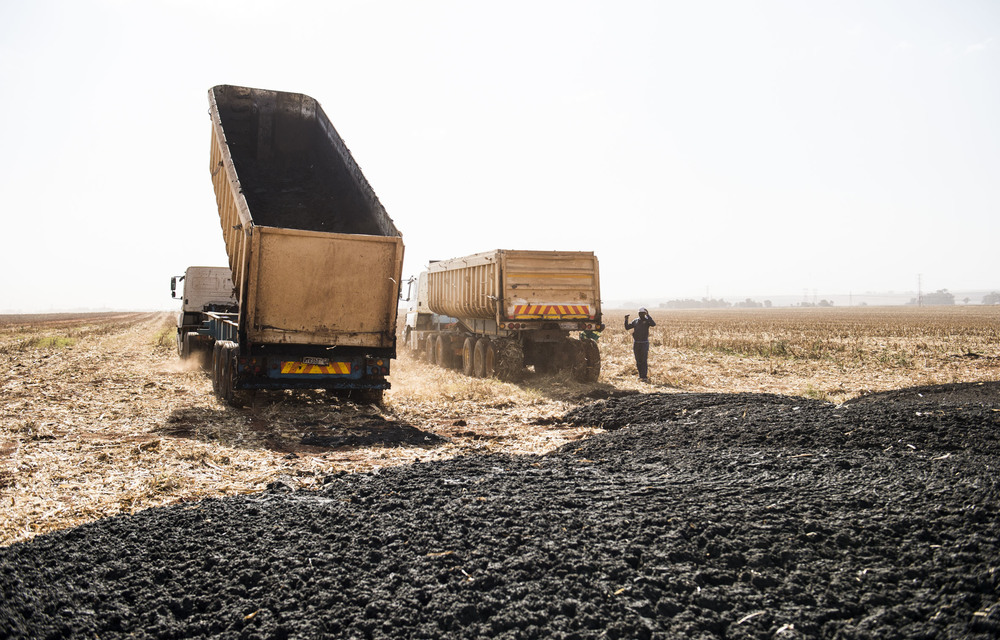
(664, 511)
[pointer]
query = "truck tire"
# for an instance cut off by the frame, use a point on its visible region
(430, 349)
(216, 368)
(468, 355)
(226, 382)
(509, 360)
(588, 365)
(182, 345)
(442, 351)
(230, 352)
(484, 360)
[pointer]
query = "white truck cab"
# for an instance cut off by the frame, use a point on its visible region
(204, 289)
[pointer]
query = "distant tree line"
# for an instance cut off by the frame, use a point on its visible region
(821, 303)
(712, 303)
(939, 297)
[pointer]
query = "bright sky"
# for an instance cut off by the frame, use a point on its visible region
(722, 147)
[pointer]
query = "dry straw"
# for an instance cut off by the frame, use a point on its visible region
(99, 417)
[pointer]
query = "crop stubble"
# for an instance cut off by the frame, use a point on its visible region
(98, 417)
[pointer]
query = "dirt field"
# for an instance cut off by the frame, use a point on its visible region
(98, 416)
(663, 510)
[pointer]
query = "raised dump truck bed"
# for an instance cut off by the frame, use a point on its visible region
(316, 261)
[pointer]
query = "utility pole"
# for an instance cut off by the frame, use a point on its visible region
(920, 289)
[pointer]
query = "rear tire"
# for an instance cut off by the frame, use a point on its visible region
(230, 352)
(592, 366)
(430, 349)
(442, 351)
(485, 358)
(216, 368)
(468, 356)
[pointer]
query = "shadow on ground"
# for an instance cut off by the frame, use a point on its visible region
(305, 422)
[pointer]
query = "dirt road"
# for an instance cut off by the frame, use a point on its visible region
(98, 416)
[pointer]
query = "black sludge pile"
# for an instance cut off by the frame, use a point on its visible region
(730, 516)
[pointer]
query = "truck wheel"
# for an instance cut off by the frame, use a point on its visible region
(588, 365)
(484, 361)
(442, 351)
(468, 355)
(182, 345)
(232, 396)
(228, 364)
(216, 367)
(429, 349)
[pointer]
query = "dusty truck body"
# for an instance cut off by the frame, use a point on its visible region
(315, 259)
(204, 290)
(494, 313)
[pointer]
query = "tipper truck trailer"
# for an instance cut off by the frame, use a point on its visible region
(495, 313)
(316, 261)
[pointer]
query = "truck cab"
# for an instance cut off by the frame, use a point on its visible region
(419, 317)
(202, 290)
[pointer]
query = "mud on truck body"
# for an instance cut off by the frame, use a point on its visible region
(495, 313)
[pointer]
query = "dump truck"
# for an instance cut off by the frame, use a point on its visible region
(316, 261)
(498, 312)
(203, 290)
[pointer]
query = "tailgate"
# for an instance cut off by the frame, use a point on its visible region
(551, 285)
(309, 287)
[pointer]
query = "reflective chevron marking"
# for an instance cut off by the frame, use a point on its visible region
(302, 368)
(527, 311)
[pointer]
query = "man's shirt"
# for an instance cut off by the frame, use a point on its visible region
(640, 328)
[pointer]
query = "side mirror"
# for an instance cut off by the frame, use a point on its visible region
(173, 285)
(409, 289)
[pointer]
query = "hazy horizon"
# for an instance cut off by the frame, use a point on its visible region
(711, 149)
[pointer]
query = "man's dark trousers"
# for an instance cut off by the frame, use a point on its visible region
(641, 350)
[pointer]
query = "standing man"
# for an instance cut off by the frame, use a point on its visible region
(640, 340)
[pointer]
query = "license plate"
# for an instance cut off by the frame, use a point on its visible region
(319, 361)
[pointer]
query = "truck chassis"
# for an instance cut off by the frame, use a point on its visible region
(503, 352)
(237, 373)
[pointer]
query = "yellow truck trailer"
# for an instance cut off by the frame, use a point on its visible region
(316, 261)
(494, 313)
